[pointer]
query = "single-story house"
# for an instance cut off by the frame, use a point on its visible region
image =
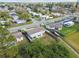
(19, 21)
(18, 36)
(57, 14)
(36, 32)
(68, 23)
(57, 26)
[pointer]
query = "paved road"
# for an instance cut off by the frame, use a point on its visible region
(37, 23)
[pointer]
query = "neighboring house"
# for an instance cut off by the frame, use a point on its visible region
(11, 9)
(19, 21)
(68, 23)
(18, 36)
(3, 8)
(57, 8)
(13, 14)
(46, 17)
(36, 32)
(57, 14)
(57, 26)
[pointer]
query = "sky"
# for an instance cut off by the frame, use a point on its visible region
(38, 0)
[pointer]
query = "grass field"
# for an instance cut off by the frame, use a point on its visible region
(68, 30)
(73, 40)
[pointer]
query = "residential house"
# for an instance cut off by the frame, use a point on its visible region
(3, 8)
(57, 26)
(57, 14)
(18, 21)
(57, 8)
(36, 32)
(68, 23)
(18, 36)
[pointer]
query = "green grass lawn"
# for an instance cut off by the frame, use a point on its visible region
(68, 30)
(73, 39)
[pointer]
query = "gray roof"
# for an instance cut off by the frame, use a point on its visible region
(55, 25)
(17, 35)
(35, 30)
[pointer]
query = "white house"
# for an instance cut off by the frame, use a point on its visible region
(57, 14)
(68, 23)
(18, 36)
(36, 32)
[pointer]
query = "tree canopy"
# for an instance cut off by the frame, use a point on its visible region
(23, 15)
(38, 50)
(5, 16)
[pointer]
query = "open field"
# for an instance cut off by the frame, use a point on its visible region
(73, 40)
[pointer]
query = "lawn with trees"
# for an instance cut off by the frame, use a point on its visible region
(39, 50)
